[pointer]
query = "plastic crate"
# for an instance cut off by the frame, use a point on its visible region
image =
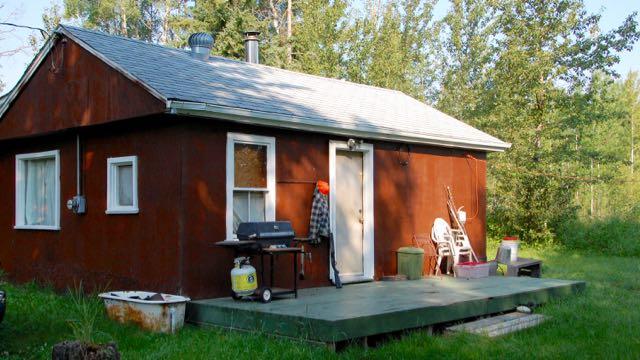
(472, 270)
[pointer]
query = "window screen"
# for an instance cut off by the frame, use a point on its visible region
(125, 185)
(250, 165)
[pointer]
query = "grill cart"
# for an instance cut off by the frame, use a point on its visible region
(260, 239)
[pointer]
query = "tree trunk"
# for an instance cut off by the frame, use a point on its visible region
(289, 32)
(276, 16)
(164, 37)
(632, 145)
(591, 205)
(123, 18)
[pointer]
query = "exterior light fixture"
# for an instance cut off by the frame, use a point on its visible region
(351, 144)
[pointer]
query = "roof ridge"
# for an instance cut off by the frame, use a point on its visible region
(342, 81)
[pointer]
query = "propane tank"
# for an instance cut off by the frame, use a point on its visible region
(243, 277)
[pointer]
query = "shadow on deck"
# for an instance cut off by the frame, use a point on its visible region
(330, 315)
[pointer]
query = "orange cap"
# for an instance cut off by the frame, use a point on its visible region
(323, 187)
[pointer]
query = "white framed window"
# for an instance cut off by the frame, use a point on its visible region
(38, 191)
(251, 180)
(122, 185)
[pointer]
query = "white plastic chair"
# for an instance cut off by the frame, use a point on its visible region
(441, 235)
(462, 246)
(459, 247)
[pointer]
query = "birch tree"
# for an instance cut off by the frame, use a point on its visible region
(545, 51)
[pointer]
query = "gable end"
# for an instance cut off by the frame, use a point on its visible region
(67, 86)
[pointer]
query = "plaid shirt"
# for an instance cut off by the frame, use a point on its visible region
(319, 223)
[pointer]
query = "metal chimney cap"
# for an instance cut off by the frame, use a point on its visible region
(251, 35)
(251, 47)
(201, 44)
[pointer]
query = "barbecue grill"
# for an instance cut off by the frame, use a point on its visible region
(271, 238)
(267, 233)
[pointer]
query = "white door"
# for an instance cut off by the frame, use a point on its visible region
(349, 214)
(351, 204)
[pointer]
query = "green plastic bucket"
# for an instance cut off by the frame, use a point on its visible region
(410, 262)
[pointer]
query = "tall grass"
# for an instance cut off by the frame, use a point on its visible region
(86, 311)
(612, 236)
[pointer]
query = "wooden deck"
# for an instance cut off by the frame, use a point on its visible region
(359, 310)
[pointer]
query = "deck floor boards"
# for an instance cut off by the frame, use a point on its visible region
(328, 314)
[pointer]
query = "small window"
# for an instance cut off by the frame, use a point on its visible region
(250, 180)
(122, 185)
(38, 191)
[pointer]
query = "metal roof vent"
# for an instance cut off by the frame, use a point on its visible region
(251, 49)
(201, 45)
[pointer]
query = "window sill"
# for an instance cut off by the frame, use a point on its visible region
(37, 227)
(131, 211)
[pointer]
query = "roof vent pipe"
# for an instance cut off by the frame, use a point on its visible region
(201, 45)
(251, 50)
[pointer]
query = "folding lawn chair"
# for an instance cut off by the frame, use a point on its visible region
(424, 242)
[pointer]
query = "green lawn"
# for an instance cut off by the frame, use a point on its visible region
(604, 322)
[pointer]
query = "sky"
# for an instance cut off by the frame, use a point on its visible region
(29, 12)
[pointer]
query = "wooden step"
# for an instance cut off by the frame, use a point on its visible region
(500, 325)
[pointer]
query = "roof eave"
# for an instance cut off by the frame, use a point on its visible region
(253, 117)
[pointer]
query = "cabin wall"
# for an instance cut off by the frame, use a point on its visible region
(116, 251)
(73, 88)
(169, 245)
(407, 199)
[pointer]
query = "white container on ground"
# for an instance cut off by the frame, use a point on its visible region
(472, 270)
(513, 244)
(164, 313)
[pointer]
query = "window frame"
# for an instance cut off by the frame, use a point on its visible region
(270, 194)
(112, 185)
(20, 199)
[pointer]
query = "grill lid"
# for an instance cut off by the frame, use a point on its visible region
(265, 230)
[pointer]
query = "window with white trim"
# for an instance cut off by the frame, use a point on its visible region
(251, 180)
(38, 191)
(122, 185)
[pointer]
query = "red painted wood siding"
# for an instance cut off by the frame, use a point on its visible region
(83, 91)
(119, 251)
(169, 246)
(407, 199)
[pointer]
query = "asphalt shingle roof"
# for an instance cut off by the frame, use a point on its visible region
(233, 84)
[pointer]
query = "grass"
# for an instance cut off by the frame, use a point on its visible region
(86, 310)
(616, 236)
(604, 322)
